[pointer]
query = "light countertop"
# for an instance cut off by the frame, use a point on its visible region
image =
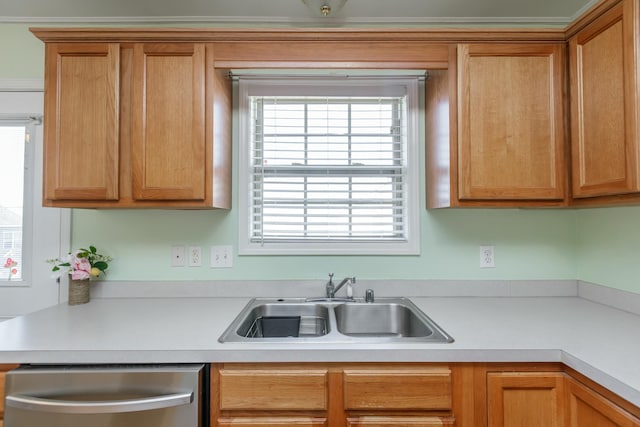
(599, 341)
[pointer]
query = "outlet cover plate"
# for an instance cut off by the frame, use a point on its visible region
(487, 256)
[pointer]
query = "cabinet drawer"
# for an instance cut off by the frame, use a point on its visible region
(415, 388)
(400, 422)
(271, 389)
(273, 422)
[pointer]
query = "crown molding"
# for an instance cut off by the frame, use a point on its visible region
(452, 21)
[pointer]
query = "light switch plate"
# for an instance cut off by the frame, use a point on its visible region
(222, 256)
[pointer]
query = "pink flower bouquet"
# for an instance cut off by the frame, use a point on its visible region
(82, 264)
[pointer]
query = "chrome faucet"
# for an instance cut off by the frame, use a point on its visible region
(333, 289)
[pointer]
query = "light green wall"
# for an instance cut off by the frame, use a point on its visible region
(529, 245)
(595, 245)
(608, 246)
(21, 52)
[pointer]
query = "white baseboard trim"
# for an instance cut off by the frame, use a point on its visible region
(616, 298)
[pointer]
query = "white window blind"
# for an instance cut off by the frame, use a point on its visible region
(328, 169)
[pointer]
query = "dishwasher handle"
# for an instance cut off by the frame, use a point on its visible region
(98, 407)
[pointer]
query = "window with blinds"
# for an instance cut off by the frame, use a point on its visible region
(328, 166)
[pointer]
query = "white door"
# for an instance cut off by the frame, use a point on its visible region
(29, 233)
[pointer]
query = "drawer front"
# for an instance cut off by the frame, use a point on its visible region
(273, 422)
(400, 422)
(419, 389)
(273, 389)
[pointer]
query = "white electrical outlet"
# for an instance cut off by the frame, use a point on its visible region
(177, 256)
(487, 257)
(222, 256)
(195, 256)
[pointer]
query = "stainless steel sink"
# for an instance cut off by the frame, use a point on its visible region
(300, 320)
(387, 319)
(283, 320)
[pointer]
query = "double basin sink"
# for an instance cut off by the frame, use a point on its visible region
(331, 320)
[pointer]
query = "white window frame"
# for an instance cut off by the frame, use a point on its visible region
(47, 230)
(252, 86)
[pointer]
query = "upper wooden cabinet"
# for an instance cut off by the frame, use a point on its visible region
(604, 106)
(505, 145)
(136, 125)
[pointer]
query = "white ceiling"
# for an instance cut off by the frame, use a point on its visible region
(294, 12)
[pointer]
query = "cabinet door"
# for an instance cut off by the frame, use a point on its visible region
(511, 122)
(588, 408)
(168, 135)
(531, 399)
(81, 135)
(604, 97)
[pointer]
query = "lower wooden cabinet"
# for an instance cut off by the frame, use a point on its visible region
(586, 407)
(333, 395)
(412, 395)
(552, 399)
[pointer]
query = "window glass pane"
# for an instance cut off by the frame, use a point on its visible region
(12, 146)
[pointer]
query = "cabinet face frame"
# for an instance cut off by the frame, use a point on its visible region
(3, 370)
(603, 164)
(493, 162)
(81, 150)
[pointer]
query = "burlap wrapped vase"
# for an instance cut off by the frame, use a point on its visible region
(79, 292)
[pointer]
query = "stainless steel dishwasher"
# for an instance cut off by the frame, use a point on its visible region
(107, 396)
